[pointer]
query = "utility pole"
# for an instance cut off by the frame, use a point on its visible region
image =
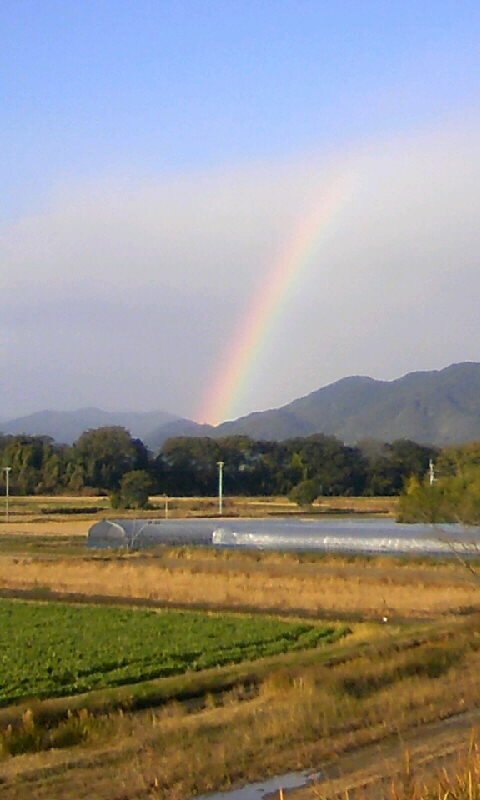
(220, 486)
(7, 471)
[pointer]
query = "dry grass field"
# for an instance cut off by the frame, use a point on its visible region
(34, 509)
(374, 589)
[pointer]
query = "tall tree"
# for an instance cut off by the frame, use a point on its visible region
(189, 465)
(103, 456)
(36, 463)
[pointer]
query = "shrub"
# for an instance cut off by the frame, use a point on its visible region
(304, 493)
(135, 488)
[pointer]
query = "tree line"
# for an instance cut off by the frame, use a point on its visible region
(103, 460)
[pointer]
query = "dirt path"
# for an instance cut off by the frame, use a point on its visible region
(369, 771)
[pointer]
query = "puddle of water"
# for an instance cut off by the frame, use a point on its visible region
(264, 789)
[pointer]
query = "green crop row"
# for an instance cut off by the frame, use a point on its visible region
(55, 649)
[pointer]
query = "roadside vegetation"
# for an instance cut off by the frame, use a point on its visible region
(460, 781)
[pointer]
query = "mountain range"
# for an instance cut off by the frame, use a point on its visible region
(436, 407)
(67, 426)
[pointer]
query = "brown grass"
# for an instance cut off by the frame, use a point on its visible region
(450, 771)
(390, 590)
(46, 527)
(459, 780)
(260, 506)
(27, 509)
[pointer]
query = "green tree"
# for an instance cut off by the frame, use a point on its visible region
(338, 469)
(102, 456)
(189, 465)
(36, 463)
(304, 493)
(241, 459)
(454, 495)
(453, 498)
(389, 466)
(135, 488)
(74, 476)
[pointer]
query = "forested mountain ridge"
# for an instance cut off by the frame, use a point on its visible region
(437, 407)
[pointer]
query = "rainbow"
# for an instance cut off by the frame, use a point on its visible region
(265, 310)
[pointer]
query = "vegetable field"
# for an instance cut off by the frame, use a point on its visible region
(55, 649)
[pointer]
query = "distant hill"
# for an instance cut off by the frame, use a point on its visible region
(437, 407)
(178, 427)
(67, 426)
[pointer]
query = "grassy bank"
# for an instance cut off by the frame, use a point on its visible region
(300, 715)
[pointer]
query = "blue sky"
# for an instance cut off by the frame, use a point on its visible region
(154, 153)
(150, 87)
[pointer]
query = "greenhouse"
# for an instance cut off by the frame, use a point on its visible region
(329, 535)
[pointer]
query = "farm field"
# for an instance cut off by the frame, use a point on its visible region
(299, 584)
(291, 712)
(52, 649)
(38, 509)
(104, 698)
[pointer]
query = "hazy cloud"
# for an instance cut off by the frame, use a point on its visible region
(125, 295)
